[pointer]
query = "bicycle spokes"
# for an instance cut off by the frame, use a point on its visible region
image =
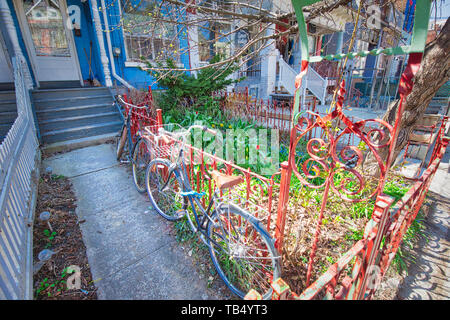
(165, 191)
(242, 253)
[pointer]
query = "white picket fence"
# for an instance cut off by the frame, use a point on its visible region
(19, 160)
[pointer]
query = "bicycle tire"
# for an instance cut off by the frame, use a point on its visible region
(168, 202)
(139, 164)
(121, 141)
(220, 257)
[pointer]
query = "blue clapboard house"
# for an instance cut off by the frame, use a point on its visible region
(76, 53)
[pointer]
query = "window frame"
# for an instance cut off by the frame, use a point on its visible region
(129, 62)
(228, 23)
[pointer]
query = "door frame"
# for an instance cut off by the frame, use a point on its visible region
(29, 45)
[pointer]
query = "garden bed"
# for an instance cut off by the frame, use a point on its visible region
(61, 235)
(343, 223)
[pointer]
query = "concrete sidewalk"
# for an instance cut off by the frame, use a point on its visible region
(129, 248)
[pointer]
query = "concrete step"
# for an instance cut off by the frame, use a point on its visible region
(8, 106)
(8, 117)
(73, 111)
(62, 102)
(433, 109)
(65, 146)
(7, 95)
(81, 132)
(69, 93)
(77, 121)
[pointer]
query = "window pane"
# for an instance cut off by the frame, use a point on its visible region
(146, 36)
(46, 26)
(214, 38)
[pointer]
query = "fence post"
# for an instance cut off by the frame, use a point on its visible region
(374, 234)
(159, 119)
(246, 98)
(283, 199)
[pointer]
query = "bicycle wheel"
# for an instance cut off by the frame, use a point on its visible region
(120, 144)
(242, 251)
(167, 202)
(141, 158)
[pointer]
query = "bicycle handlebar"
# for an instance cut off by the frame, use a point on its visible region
(195, 126)
(119, 97)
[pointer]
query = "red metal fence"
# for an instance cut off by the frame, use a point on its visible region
(268, 114)
(344, 175)
(140, 118)
(390, 223)
(357, 273)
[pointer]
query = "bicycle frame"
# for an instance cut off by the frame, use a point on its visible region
(127, 125)
(129, 137)
(179, 170)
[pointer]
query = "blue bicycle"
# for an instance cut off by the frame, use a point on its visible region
(240, 247)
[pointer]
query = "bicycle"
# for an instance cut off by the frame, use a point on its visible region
(240, 247)
(138, 153)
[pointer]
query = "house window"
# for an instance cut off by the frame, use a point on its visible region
(214, 38)
(47, 28)
(145, 37)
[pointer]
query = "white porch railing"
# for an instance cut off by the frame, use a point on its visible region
(313, 81)
(316, 84)
(286, 77)
(19, 158)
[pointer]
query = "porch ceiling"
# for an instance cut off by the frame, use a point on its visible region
(333, 21)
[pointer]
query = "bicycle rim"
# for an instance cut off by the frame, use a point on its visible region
(121, 142)
(242, 251)
(167, 202)
(141, 157)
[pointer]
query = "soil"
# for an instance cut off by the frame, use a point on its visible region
(193, 247)
(62, 235)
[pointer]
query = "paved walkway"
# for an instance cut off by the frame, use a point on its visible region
(429, 276)
(130, 252)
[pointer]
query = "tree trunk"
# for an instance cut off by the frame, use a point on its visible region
(433, 73)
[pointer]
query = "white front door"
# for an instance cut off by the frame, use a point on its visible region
(49, 42)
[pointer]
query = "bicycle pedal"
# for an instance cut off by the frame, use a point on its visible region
(181, 213)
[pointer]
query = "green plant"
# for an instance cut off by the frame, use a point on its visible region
(354, 234)
(50, 237)
(330, 260)
(46, 285)
(412, 234)
(187, 91)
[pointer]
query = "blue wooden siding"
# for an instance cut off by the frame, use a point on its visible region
(133, 75)
(82, 43)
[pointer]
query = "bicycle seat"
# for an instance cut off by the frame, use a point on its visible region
(224, 181)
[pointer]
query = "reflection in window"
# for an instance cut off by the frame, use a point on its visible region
(46, 26)
(144, 38)
(213, 39)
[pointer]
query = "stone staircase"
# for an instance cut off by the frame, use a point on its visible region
(440, 101)
(8, 112)
(73, 115)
